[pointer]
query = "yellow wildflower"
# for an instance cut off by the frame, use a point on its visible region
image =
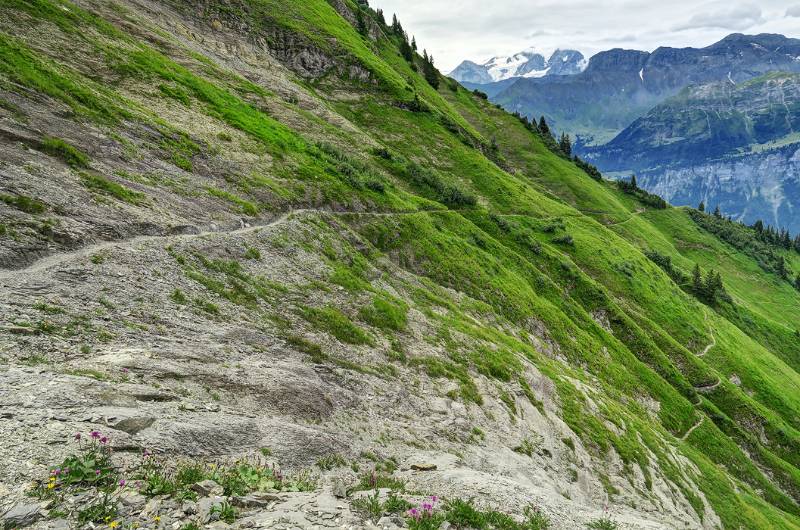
(157, 518)
(51, 485)
(113, 524)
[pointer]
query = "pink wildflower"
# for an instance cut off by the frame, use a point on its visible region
(95, 435)
(77, 436)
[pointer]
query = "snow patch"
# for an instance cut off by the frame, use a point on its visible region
(731, 79)
(641, 75)
(537, 73)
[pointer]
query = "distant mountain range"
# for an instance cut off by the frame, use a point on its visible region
(711, 123)
(525, 64)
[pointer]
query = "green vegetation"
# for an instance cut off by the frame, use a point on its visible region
(386, 312)
(336, 323)
(23, 203)
(71, 155)
(102, 185)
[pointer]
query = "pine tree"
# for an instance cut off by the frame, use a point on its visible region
(565, 144)
(405, 49)
(396, 27)
(702, 206)
(414, 43)
(429, 71)
(634, 185)
(717, 213)
(781, 268)
(543, 127)
(380, 17)
(697, 280)
(759, 226)
(361, 22)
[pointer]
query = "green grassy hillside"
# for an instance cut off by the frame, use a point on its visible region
(527, 262)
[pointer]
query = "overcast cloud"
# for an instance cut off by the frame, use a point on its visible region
(477, 29)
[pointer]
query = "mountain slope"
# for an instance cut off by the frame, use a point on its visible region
(729, 145)
(248, 230)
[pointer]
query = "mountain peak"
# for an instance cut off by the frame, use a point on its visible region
(529, 62)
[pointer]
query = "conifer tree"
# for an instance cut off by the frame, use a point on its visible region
(634, 185)
(697, 280)
(429, 71)
(543, 127)
(565, 144)
(782, 271)
(380, 17)
(361, 22)
(717, 213)
(702, 206)
(414, 43)
(797, 282)
(405, 48)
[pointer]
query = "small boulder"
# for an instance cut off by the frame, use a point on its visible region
(423, 467)
(208, 488)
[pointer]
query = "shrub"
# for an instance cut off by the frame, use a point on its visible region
(252, 253)
(337, 324)
(105, 186)
(446, 193)
(566, 239)
(23, 203)
(178, 297)
(71, 155)
(604, 523)
(225, 512)
(386, 312)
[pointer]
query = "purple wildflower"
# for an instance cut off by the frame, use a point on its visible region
(104, 440)
(78, 436)
(122, 483)
(95, 435)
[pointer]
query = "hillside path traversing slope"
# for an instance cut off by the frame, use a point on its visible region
(693, 427)
(63, 257)
(713, 339)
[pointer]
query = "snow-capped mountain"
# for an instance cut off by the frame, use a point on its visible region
(527, 63)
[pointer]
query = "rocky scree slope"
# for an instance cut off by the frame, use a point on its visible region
(273, 270)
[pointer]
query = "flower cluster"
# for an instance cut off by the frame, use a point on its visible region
(424, 510)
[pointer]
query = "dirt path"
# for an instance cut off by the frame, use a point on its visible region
(63, 257)
(693, 427)
(708, 388)
(713, 339)
(59, 258)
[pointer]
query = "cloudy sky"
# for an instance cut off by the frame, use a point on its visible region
(479, 29)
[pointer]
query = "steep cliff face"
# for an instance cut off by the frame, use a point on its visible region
(762, 186)
(724, 143)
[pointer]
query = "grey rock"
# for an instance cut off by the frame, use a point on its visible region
(208, 488)
(424, 467)
(255, 500)
(21, 515)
